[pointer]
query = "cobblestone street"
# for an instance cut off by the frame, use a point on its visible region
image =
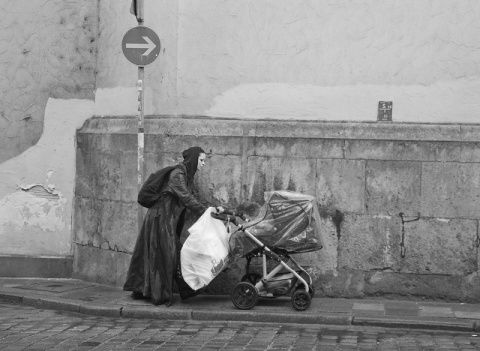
(27, 328)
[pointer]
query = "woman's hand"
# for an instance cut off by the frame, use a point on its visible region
(219, 209)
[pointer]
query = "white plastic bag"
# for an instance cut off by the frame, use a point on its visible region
(205, 252)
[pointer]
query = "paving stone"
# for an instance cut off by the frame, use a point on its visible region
(401, 311)
(467, 315)
(427, 311)
(368, 307)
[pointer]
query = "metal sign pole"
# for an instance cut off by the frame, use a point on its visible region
(141, 117)
(141, 46)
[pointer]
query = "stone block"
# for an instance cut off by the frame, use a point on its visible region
(402, 150)
(358, 130)
(6, 298)
(436, 312)
(467, 315)
(82, 141)
(275, 173)
(197, 126)
(295, 147)
(153, 161)
(270, 317)
(470, 152)
(50, 303)
(108, 224)
(99, 174)
(129, 181)
(99, 310)
(440, 246)
(470, 132)
(117, 125)
(220, 180)
(451, 190)
(393, 187)
(121, 141)
(417, 286)
(369, 242)
(100, 266)
(158, 313)
(432, 246)
(297, 129)
(218, 145)
(97, 141)
(342, 283)
(325, 259)
(405, 131)
(84, 185)
(341, 185)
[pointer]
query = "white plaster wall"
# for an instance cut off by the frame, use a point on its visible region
(298, 59)
(116, 92)
(330, 59)
(37, 187)
(443, 102)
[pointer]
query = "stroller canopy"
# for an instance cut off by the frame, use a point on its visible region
(287, 221)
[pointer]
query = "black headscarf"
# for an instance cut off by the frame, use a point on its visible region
(190, 159)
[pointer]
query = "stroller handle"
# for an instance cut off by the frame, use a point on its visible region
(229, 215)
(234, 213)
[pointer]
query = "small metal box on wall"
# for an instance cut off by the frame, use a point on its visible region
(384, 111)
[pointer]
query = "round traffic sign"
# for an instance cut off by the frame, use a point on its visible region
(141, 45)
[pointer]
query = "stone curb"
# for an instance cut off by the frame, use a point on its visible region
(50, 304)
(11, 298)
(147, 312)
(114, 311)
(268, 317)
(466, 326)
(144, 312)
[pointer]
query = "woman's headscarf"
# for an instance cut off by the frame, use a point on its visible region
(190, 159)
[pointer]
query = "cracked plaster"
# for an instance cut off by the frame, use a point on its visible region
(36, 187)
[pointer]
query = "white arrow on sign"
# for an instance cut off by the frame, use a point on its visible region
(150, 46)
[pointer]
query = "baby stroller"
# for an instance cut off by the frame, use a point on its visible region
(288, 223)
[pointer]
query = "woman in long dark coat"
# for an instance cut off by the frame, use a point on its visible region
(155, 261)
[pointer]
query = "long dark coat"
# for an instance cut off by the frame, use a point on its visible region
(155, 261)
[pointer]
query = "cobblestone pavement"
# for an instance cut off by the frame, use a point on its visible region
(27, 328)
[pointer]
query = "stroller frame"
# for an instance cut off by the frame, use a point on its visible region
(244, 298)
(275, 283)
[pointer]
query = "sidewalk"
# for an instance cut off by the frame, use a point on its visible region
(100, 300)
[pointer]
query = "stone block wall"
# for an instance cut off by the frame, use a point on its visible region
(364, 175)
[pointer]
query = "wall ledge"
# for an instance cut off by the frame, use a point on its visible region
(210, 126)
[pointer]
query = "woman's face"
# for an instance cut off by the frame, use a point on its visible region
(201, 161)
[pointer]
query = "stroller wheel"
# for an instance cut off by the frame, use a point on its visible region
(301, 299)
(252, 278)
(311, 289)
(244, 295)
